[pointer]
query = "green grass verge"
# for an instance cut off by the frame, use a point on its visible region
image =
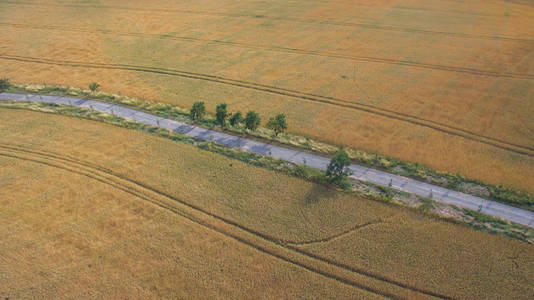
(383, 194)
(413, 170)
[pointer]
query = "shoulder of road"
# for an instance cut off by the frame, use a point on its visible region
(374, 176)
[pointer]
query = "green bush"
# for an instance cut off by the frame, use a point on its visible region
(94, 87)
(277, 124)
(338, 169)
(221, 114)
(503, 194)
(197, 111)
(252, 120)
(482, 218)
(236, 118)
(4, 84)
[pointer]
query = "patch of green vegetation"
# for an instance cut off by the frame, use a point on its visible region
(497, 225)
(53, 90)
(503, 194)
(428, 204)
(482, 218)
(338, 169)
(4, 84)
(454, 182)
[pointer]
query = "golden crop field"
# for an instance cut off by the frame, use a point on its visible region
(444, 83)
(92, 210)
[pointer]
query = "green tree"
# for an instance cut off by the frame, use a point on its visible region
(221, 115)
(4, 84)
(338, 169)
(94, 87)
(278, 124)
(252, 120)
(198, 111)
(236, 118)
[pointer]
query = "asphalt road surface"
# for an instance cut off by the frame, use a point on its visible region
(382, 178)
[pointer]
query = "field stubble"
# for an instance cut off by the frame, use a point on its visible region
(315, 223)
(492, 106)
(434, 66)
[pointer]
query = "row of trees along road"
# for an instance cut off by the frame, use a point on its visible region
(337, 171)
(252, 120)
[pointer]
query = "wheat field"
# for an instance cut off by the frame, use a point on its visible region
(444, 83)
(96, 211)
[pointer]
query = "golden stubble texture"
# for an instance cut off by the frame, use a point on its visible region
(462, 67)
(92, 210)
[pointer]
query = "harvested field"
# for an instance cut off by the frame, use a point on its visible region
(442, 83)
(91, 208)
(81, 239)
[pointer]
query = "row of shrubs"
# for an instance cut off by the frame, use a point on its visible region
(4, 84)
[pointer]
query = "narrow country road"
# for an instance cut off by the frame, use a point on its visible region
(440, 194)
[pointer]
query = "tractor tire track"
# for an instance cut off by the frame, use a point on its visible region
(406, 63)
(444, 128)
(273, 48)
(136, 188)
(356, 227)
(371, 26)
(48, 154)
(211, 227)
(335, 236)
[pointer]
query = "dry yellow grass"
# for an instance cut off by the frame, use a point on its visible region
(157, 218)
(69, 236)
(419, 58)
(65, 237)
(411, 249)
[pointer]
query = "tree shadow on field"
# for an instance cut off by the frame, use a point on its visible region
(319, 193)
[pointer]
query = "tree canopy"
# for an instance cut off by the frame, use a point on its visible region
(252, 120)
(236, 118)
(4, 84)
(277, 124)
(197, 111)
(221, 114)
(338, 169)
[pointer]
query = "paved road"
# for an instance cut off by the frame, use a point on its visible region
(363, 173)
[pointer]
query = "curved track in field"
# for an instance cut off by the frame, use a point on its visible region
(260, 241)
(338, 235)
(423, 189)
(448, 129)
(382, 27)
(408, 63)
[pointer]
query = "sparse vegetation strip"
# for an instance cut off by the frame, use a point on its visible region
(370, 190)
(413, 170)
